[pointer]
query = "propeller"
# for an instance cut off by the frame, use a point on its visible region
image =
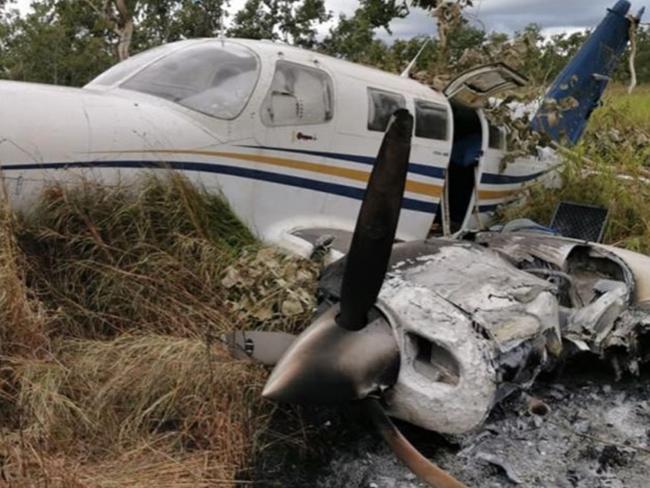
(336, 359)
(350, 351)
(374, 234)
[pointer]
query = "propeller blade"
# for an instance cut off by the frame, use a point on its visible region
(424, 469)
(374, 234)
(328, 364)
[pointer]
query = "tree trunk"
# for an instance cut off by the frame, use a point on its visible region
(125, 37)
(124, 29)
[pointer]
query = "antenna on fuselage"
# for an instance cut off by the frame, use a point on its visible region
(407, 71)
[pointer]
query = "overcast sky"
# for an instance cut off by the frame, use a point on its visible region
(494, 15)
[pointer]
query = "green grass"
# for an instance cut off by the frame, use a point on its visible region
(636, 106)
(610, 168)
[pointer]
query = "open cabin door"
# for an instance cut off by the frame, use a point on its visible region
(468, 94)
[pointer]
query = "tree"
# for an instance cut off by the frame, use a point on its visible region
(3, 5)
(353, 38)
(164, 21)
(120, 17)
(60, 41)
(257, 20)
(72, 41)
(291, 21)
(642, 61)
(466, 37)
(449, 20)
(141, 24)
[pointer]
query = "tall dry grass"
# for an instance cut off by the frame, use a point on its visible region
(18, 304)
(113, 304)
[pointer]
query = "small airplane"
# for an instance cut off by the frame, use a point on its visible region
(289, 136)
(434, 331)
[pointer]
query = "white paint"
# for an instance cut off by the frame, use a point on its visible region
(454, 298)
(438, 406)
(48, 124)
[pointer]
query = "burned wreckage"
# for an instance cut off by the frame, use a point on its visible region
(478, 318)
(437, 332)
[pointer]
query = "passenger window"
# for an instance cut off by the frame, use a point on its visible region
(381, 106)
(497, 137)
(431, 120)
(299, 95)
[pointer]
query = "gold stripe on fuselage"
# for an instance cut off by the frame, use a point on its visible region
(497, 194)
(417, 187)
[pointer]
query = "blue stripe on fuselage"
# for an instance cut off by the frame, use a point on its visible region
(283, 179)
(494, 179)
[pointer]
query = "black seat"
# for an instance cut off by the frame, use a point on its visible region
(584, 222)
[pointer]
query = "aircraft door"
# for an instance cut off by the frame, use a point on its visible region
(293, 132)
(464, 165)
(468, 93)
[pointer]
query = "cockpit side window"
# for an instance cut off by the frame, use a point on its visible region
(298, 95)
(381, 106)
(431, 120)
(216, 79)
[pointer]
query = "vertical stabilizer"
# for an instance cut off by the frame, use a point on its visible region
(577, 91)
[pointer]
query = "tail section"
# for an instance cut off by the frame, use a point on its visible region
(577, 90)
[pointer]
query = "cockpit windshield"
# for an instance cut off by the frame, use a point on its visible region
(215, 78)
(132, 65)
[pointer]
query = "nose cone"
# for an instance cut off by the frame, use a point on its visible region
(328, 364)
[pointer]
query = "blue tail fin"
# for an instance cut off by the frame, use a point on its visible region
(584, 79)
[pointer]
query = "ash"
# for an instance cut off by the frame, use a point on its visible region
(595, 435)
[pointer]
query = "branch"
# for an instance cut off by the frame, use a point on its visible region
(104, 13)
(123, 10)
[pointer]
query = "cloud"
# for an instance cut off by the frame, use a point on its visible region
(512, 15)
(493, 15)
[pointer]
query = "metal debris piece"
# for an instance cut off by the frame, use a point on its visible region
(538, 407)
(501, 464)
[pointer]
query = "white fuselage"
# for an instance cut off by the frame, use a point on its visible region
(290, 146)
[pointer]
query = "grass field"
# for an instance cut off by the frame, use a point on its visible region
(636, 106)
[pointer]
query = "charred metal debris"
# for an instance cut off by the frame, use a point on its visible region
(482, 317)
